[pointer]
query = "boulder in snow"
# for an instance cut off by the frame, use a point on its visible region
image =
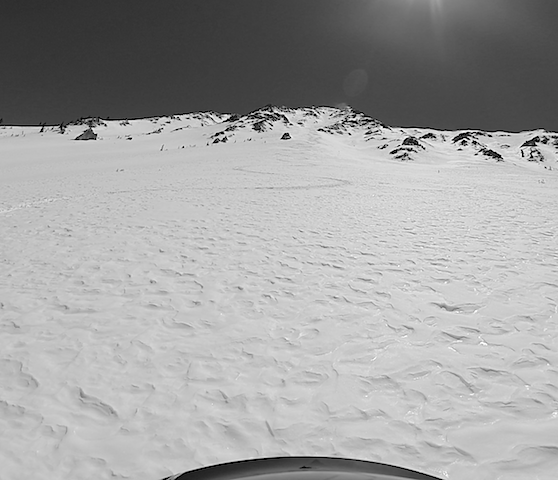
(88, 134)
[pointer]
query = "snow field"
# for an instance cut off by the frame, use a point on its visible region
(218, 303)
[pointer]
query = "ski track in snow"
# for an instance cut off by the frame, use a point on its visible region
(189, 313)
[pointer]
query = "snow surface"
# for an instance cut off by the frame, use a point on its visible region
(168, 303)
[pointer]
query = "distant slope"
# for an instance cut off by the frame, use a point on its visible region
(347, 127)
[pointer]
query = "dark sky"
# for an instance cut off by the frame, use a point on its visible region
(486, 64)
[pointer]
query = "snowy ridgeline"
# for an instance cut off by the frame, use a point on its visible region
(351, 127)
(165, 308)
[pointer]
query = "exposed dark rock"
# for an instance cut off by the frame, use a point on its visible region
(269, 113)
(535, 155)
(219, 140)
(90, 122)
(286, 136)
(428, 136)
(348, 119)
(403, 153)
(409, 146)
(159, 130)
(532, 142)
(492, 154)
(311, 113)
(217, 135)
(412, 142)
(88, 134)
(267, 108)
(545, 140)
(469, 138)
(372, 131)
(461, 137)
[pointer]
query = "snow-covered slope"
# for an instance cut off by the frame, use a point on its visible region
(533, 149)
(168, 301)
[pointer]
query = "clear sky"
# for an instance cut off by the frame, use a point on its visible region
(449, 64)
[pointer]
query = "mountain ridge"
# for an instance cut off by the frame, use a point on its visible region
(346, 125)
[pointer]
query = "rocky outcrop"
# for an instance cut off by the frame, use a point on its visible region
(545, 140)
(90, 122)
(259, 126)
(348, 120)
(402, 153)
(466, 139)
(534, 155)
(88, 134)
(531, 151)
(412, 142)
(429, 136)
(531, 143)
(408, 147)
(264, 118)
(286, 136)
(487, 152)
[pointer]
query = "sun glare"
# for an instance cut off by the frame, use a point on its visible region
(411, 7)
(417, 28)
(435, 6)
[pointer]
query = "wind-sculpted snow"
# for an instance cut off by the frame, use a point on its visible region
(167, 310)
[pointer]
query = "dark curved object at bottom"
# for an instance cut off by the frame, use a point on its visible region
(302, 468)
